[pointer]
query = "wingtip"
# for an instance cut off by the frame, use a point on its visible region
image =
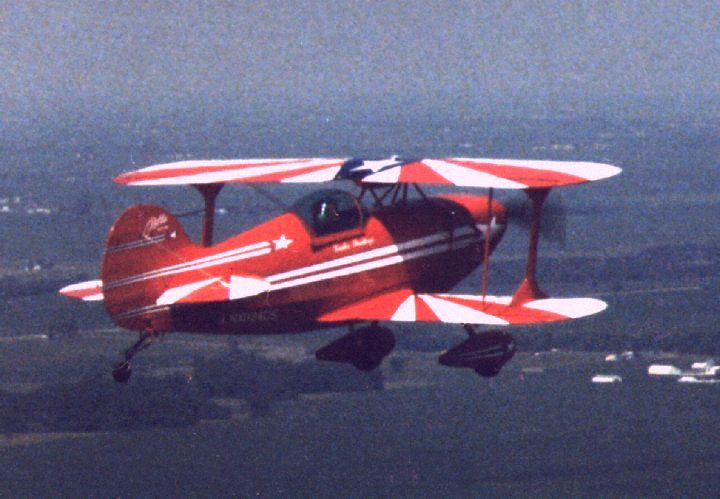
(125, 178)
(85, 291)
(608, 170)
(572, 308)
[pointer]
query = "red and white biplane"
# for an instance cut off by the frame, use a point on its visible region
(330, 261)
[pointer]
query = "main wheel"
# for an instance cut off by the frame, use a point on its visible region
(488, 371)
(364, 348)
(365, 361)
(372, 345)
(121, 372)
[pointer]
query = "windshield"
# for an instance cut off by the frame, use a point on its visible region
(329, 211)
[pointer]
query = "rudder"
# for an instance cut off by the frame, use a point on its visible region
(143, 243)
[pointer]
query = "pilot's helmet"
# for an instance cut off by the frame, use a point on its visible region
(326, 212)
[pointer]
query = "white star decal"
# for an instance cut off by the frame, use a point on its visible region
(376, 166)
(282, 242)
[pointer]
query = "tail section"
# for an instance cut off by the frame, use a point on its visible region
(143, 246)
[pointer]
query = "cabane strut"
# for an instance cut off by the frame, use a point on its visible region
(209, 193)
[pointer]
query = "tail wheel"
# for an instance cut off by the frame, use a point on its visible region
(121, 371)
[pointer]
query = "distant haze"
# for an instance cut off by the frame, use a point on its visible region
(156, 57)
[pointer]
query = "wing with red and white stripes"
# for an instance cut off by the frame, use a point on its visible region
(406, 306)
(236, 170)
(485, 173)
(463, 172)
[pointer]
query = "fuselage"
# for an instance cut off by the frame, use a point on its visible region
(313, 266)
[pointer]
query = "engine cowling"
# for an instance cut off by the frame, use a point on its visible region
(485, 353)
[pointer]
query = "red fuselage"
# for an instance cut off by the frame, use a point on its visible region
(427, 245)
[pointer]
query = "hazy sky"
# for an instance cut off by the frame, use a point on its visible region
(152, 55)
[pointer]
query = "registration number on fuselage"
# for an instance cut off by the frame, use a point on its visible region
(260, 315)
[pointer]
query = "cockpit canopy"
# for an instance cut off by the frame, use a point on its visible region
(329, 211)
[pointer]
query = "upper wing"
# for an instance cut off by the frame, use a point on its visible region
(406, 306)
(236, 170)
(464, 172)
(482, 172)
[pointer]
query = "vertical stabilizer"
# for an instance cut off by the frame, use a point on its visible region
(144, 244)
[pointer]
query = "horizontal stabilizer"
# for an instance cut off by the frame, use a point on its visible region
(463, 172)
(407, 306)
(86, 291)
(214, 289)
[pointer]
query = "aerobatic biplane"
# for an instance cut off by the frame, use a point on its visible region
(331, 261)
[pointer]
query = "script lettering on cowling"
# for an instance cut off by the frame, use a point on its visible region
(155, 226)
(341, 247)
(358, 242)
(363, 241)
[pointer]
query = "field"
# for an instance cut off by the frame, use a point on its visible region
(429, 431)
(259, 416)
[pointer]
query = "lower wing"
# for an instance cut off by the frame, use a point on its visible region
(406, 306)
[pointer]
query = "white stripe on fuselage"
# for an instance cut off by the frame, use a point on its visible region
(382, 257)
(135, 244)
(393, 254)
(150, 309)
(369, 255)
(376, 264)
(201, 263)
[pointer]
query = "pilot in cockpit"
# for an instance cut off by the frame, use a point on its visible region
(326, 216)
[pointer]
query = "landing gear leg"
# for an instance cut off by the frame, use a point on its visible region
(122, 370)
